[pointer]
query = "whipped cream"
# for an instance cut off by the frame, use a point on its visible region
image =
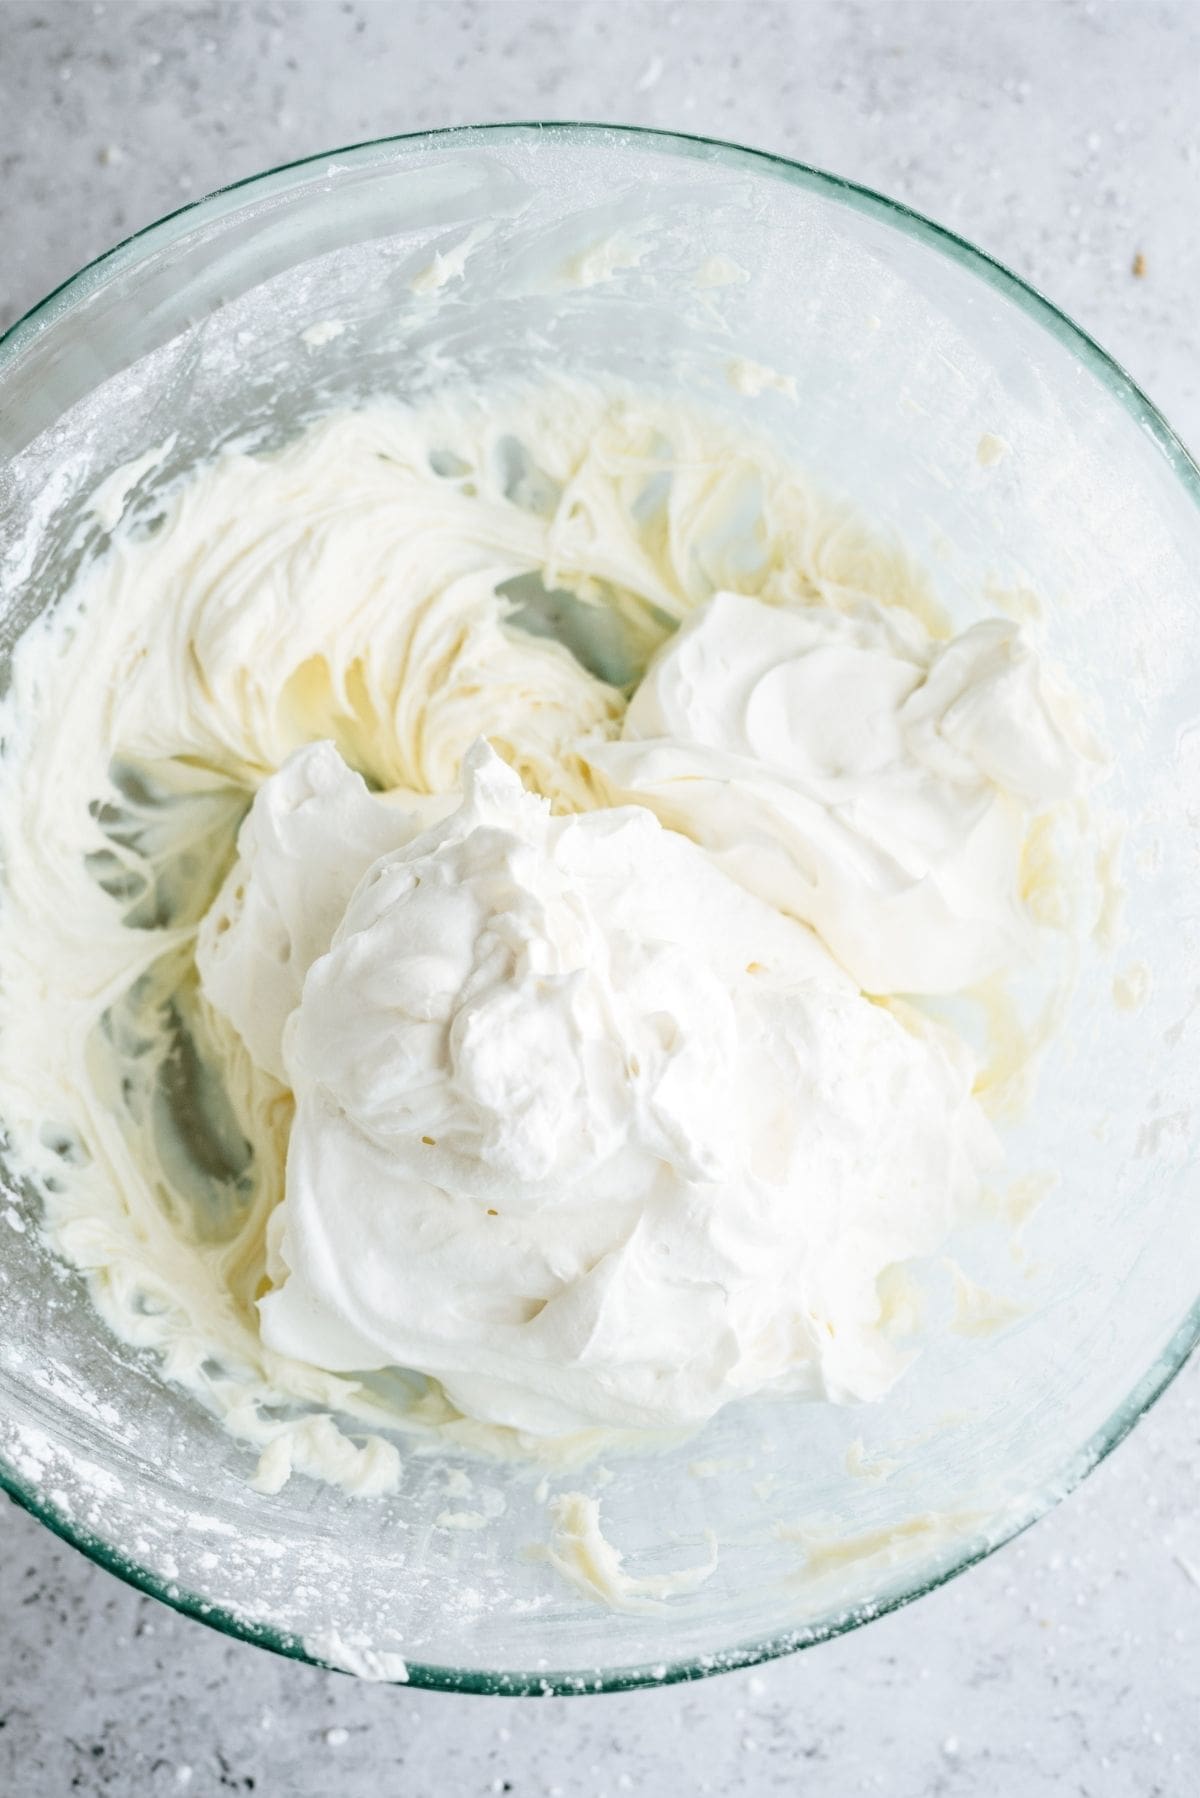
(574, 1106)
(860, 775)
(582, 1129)
(312, 832)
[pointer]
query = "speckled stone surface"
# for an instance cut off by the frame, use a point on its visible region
(1065, 139)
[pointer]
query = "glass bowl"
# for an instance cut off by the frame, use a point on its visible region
(947, 401)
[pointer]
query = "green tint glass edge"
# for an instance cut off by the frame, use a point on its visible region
(1150, 1387)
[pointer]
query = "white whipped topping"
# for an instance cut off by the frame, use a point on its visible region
(666, 1237)
(582, 1128)
(311, 834)
(859, 775)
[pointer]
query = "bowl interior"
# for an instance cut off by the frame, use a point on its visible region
(1017, 464)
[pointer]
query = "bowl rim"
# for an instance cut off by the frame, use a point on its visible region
(894, 213)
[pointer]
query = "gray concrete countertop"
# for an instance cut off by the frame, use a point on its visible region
(1063, 137)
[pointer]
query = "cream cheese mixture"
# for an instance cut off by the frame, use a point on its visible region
(471, 882)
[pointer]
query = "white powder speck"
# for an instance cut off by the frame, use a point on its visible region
(650, 76)
(721, 271)
(755, 378)
(324, 331)
(336, 1737)
(460, 1520)
(358, 1657)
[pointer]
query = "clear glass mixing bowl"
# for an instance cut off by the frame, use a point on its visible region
(907, 348)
